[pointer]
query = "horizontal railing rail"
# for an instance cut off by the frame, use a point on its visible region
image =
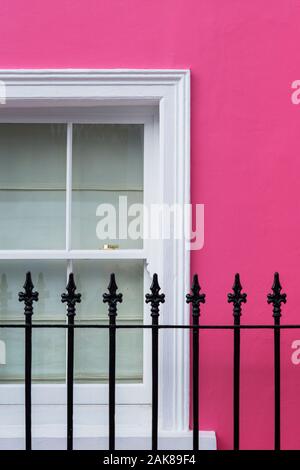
(155, 298)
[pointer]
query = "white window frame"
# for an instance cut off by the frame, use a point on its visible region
(169, 91)
(55, 393)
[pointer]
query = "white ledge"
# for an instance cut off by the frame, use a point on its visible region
(74, 254)
(95, 438)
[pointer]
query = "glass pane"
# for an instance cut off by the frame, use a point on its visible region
(48, 349)
(91, 346)
(107, 164)
(32, 186)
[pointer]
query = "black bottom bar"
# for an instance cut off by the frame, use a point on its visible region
(236, 389)
(101, 459)
(277, 385)
(196, 389)
(154, 386)
(28, 362)
(70, 380)
(112, 383)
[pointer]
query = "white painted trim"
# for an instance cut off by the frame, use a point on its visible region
(133, 428)
(72, 254)
(170, 89)
(93, 438)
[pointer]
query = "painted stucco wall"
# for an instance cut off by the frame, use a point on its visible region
(243, 56)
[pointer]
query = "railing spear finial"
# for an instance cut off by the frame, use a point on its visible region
(71, 298)
(195, 298)
(28, 296)
(155, 298)
(237, 298)
(112, 298)
(276, 298)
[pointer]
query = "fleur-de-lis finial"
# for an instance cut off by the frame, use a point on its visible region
(28, 296)
(195, 298)
(71, 298)
(237, 298)
(276, 298)
(112, 298)
(155, 298)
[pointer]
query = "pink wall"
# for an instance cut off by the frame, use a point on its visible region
(245, 160)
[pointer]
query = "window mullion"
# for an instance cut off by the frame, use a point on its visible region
(69, 186)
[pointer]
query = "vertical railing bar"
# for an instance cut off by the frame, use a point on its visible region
(28, 297)
(112, 384)
(237, 298)
(195, 386)
(277, 385)
(71, 298)
(195, 299)
(70, 379)
(112, 298)
(28, 378)
(155, 299)
(277, 298)
(154, 383)
(236, 384)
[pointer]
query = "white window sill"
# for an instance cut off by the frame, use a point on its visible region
(52, 437)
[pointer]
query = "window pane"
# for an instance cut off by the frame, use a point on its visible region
(32, 186)
(91, 346)
(107, 164)
(48, 349)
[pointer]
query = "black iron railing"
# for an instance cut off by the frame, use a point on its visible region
(155, 298)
